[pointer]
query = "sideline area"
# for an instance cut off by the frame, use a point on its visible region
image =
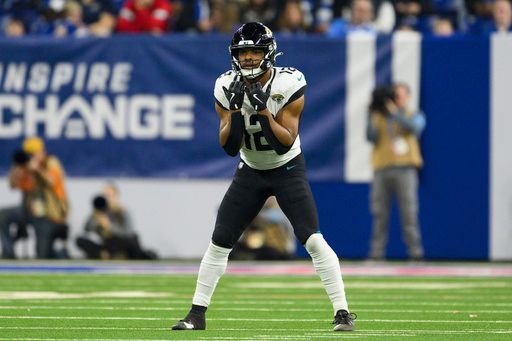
(351, 268)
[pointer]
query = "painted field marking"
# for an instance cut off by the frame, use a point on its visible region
(251, 302)
(56, 295)
(268, 268)
(309, 331)
(371, 285)
(249, 309)
(239, 319)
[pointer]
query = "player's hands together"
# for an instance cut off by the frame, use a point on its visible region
(257, 97)
(235, 94)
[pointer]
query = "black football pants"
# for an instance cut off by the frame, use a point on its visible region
(249, 191)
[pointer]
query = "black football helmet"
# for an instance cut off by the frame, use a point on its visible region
(253, 35)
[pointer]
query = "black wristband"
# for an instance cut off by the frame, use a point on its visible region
(234, 141)
(272, 140)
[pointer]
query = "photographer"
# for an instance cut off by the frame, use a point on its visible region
(394, 131)
(109, 233)
(40, 178)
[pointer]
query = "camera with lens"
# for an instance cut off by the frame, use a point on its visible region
(100, 203)
(380, 96)
(20, 158)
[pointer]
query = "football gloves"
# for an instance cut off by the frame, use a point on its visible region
(257, 97)
(235, 94)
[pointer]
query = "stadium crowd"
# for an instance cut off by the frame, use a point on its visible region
(290, 17)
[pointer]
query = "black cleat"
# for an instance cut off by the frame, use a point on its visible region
(344, 321)
(192, 321)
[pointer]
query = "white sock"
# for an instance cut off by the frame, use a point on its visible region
(327, 266)
(212, 267)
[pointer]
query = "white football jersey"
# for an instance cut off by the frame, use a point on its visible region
(287, 84)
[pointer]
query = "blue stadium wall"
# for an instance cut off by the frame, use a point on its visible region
(455, 95)
(454, 183)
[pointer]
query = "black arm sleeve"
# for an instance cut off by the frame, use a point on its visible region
(234, 141)
(272, 140)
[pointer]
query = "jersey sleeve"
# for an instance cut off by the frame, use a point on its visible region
(220, 97)
(297, 86)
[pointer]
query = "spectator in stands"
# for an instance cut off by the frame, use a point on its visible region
(361, 20)
(224, 17)
(442, 27)
(451, 9)
(25, 11)
(409, 24)
(263, 11)
(72, 23)
(40, 177)
(108, 232)
(86, 17)
(139, 16)
(385, 19)
(394, 131)
(268, 237)
(410, 10)
(14, 28)
(502, 16)
(190, 16)
(291, 20)
(325, 11)
(99, 16)
(480, 9)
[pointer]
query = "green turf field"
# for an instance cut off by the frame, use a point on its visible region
(39, 306)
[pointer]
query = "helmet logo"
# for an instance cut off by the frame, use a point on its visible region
(245, 42)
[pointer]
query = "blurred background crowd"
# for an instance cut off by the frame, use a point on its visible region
(290, 17)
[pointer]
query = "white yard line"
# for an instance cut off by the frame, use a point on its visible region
(136, 318)
(251, 302)
(84, 295)
(249, 309)
(308, 331)
(407, 285)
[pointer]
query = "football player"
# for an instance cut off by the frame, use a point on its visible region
(259, 106)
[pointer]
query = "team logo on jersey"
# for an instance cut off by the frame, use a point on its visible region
(277, 97)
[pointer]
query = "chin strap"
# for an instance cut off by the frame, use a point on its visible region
(251, 74)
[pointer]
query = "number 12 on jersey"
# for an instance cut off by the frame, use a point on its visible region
(253, 132)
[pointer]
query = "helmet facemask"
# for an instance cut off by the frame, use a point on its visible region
(266, 63)
(253, 35)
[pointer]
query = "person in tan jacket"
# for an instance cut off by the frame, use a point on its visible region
(394, 130)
